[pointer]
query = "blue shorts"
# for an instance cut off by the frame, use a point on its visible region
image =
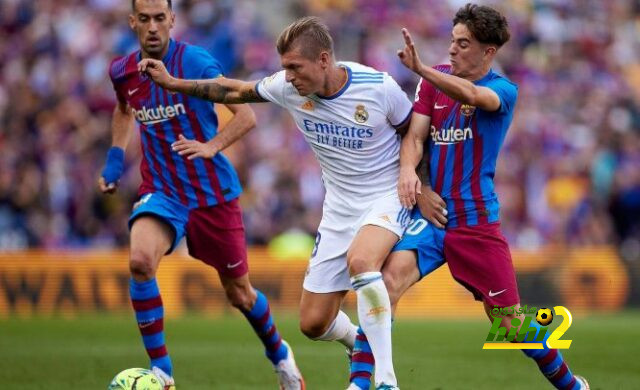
(426, 240)
(170, 211)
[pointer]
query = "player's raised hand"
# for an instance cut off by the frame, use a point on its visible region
(156, 70)
(408, 187)
(432, 207)
(193, 149)
(409, 55)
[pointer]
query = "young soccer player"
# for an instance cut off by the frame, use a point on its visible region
(461, 115)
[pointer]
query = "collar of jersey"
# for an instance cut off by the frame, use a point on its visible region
(172, 47)
(344, 87)
(485, 77)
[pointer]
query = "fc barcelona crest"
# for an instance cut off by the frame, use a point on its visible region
(467, 110)
(361, 114)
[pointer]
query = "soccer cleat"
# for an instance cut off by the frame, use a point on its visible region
(386, 387)
(288, 373)
(166, 380)
(584, 385)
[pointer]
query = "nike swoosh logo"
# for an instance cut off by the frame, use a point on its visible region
(493, 294)
(229, 265)
(132, 91)
(146, 324)
(437, 107)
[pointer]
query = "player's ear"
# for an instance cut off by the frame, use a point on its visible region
(490, 50)
(172, 19)
(325, 59)
(132, 21)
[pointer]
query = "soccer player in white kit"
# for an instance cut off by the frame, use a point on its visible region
(350, 115)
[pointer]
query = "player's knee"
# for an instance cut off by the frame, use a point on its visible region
(313, 327)
(357, 264)
(141, 265)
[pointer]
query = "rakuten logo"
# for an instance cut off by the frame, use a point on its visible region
(149, 116)
(450, 135)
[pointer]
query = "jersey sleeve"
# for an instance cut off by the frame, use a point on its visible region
(425, 93)
(201, 64)
(271, 88)
(116, 73)
(507, 92)
(397, 104)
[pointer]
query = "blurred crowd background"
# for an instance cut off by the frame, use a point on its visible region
(569, 172)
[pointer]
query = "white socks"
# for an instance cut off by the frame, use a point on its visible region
(341, 330)
(374, 313)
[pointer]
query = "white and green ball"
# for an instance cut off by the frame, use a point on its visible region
(135, 379)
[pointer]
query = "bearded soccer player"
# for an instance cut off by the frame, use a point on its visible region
(349, 114)
(461, 115)
(180, 195)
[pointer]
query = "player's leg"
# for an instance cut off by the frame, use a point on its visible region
(480, 260)
(326, 282)
(365, 257)
(418, 253)
(322, 320)
(157, 225)
(215, 235)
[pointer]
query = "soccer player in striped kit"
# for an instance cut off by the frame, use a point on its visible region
(182, 195)
(461, 115)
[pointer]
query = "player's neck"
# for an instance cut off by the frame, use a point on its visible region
(335, 81)
(479, 73)
(159, 56)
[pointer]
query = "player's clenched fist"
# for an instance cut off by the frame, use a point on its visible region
(156, 70)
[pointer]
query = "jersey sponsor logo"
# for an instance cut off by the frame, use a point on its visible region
(361, 114)
(149, 116)
(451, 135)
(338, 135)
(308, 105)
(467, 110)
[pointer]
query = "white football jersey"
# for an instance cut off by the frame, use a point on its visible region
(351, 132)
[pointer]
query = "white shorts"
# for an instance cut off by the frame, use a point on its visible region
(327, 271)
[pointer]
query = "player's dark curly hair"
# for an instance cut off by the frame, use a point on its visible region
(485, 23)
(133, 4)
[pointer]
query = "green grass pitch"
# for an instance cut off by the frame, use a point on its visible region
(222, 353)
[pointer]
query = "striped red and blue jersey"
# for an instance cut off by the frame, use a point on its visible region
(463, 146)
(162, 116)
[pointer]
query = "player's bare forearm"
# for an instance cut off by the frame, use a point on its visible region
(121, 126)
(244, 119)
(412, 147)
(218, 90)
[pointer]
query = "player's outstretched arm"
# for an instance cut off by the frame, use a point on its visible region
(121, 130)
(218, 90)
(244, 119)
(455, 87)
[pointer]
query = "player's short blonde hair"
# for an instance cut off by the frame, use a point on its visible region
(310, 34)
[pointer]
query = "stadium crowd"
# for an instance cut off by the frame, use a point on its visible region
(569, 171)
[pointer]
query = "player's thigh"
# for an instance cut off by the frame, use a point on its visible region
(216, 236)
(400, 272)
(318, 310)
(151, 238)
(370, 248)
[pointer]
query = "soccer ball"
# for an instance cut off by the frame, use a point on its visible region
(135, 379)
(544, 316)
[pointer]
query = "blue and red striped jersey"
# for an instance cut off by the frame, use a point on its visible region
(162, 116)
(463, 146)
